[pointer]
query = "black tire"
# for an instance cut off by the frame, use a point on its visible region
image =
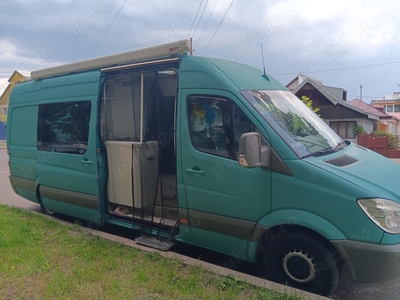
(302, 262)
(100, 223)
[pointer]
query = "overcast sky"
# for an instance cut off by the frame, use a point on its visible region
(341, 43)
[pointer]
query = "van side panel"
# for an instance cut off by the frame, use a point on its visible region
(77, 86)
(62, 181)
(22, 149)
(314, 200)
(219, 199)
(302, 218)
(224, 75)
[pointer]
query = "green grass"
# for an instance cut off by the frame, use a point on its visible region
(42, 259)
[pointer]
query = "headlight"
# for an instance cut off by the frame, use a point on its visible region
(384, 213)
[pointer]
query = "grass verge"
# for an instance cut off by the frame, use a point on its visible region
(42, 259)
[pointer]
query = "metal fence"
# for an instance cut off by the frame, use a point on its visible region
(3, 131)
(386, 145)
(375, 142)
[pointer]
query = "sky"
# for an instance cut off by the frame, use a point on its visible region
(349, 44)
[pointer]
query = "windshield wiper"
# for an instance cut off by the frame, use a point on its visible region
(320, 152)
(339, 145)
(327, 150)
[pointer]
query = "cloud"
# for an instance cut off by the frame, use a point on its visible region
(294, 34)
(351, 25)
(8, 52)
(3, 84)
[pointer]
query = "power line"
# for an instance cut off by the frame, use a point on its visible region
(109, 26)
(360, 67)
(390, 56)
(197, 13)
(215, 4)
(218, 27)
(363, 96)
(201, 16)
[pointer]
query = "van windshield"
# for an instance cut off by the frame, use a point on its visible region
(301, 129)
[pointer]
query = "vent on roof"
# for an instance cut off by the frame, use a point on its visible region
(342, 161)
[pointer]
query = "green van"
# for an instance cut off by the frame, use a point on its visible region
(207, 152)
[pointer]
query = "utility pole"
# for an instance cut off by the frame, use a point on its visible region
(361, 86)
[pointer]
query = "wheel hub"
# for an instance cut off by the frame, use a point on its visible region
(300, 266)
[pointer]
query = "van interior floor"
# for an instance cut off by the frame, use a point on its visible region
(165, 208)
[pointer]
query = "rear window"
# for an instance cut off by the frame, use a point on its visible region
(64, 127)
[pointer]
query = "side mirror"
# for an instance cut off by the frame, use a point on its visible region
(251, 153)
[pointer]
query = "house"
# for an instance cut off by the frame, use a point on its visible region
(387, 123)
(339, 114)
(14, 79)
(390, 104)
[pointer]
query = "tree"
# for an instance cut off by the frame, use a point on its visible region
(358, 129)
(393, 141)
(307, 101)
(3, 119)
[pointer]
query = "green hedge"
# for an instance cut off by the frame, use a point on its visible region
(392, 139)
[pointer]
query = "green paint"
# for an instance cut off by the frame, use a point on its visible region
(223, 206)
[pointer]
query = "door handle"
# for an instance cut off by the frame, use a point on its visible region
(86, 161)
(195, 172)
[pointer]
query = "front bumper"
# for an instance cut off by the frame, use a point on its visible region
(370, 262)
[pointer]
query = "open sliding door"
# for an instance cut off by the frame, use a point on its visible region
(138, 132)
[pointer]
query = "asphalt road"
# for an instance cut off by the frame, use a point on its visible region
(7, 195)
(345, 291)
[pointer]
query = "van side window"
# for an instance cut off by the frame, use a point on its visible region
(216, 124)
(64, 127)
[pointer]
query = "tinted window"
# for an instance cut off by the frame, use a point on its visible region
(64, 127)
(216, 125)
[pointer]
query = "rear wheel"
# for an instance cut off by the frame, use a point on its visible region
(100, 223)
(300, 261)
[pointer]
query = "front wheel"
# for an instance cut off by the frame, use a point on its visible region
(302, 262)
